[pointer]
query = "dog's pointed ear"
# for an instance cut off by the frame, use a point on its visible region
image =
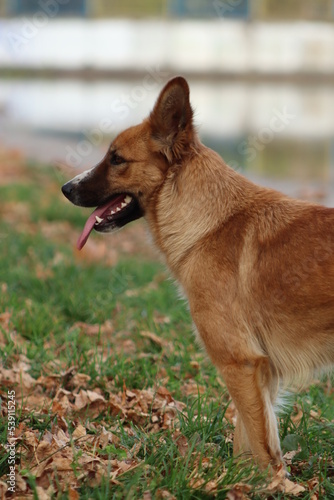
(172, 120)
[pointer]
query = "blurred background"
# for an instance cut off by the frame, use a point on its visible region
(73, 73)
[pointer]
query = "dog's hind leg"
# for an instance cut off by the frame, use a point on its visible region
(252, 388)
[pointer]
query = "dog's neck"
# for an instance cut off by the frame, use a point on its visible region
(203, 191)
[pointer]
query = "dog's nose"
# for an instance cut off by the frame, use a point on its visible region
(67, 189)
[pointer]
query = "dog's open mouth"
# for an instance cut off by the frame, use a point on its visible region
(118, 211)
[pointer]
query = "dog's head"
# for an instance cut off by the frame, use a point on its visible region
(135, 166)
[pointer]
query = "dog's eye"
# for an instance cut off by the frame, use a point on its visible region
(116, 159)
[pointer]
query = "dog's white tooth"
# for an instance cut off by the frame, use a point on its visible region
(127, 199)
(112, 212)
(123, 204)
(98, 219)
(118, 209)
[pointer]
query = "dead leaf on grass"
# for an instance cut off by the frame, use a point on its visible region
(154, 338)
(211, 487)
(21, 485)
(78, 380)
(92, 330)
(3, 490)
(192, 388)
(5, 319)
(238, 492)
(162, 391)
(298, 415)
(289, 456)
(292, 488)
(17, 375)
(181, 443)
(79, 432)
(42, 494)
(73, 494)
(280, 483)
(163, 494)
(91, 401)
(160, 319)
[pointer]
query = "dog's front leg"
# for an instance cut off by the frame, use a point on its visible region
(251, 387)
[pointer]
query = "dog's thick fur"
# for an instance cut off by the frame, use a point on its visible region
(256, 267)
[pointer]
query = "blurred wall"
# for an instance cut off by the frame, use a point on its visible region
(317, 10)
(2, 8)
(127, 8)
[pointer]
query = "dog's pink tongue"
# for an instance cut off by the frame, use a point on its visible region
(88, 228)
(99, 211)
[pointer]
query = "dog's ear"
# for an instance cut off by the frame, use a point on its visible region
(172, 120)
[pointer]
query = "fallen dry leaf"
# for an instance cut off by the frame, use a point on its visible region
(73, 494)
(91, 400)
(79, 432)
(17, 376)
(5, 319)
(42, 494)
(155, 338)
(21, 485)
(3, 489)
(192, 388)
(162, 391)
(236, 494)
(292, 488)
(181, 443)
(280, 483)
(160, 318)
(163, 494)
(92, 330)
(313, 484)
(211, 486)
(296, 418)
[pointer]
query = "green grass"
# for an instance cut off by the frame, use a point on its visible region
(45, 307)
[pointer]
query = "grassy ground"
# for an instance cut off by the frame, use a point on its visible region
(113, 397)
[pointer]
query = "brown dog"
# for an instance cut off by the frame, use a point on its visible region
(256, 266)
